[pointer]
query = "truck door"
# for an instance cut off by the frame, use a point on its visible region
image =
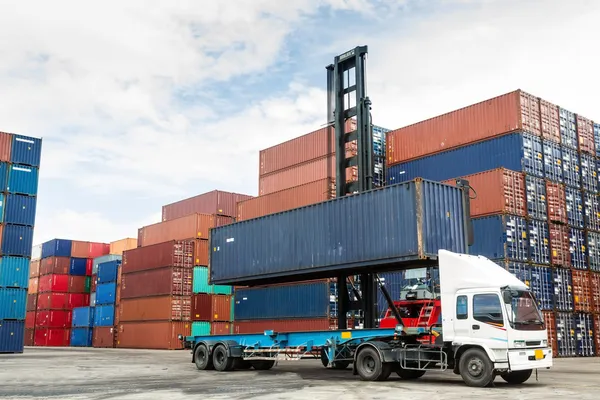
(487, 323)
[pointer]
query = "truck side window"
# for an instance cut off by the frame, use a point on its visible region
(462, 311)
(487, 308)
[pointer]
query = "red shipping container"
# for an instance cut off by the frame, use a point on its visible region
(89, 266)
(194, 226)
(98, 249)
(515, 111)
(52, 301)
(281, 325)
(53, 283)
(152, 335)
(34, 268)
(209, 307)
(221, 328)
(53, 319)
(55, 265)
(33, 285)
(557, 202)
(550, 322)
(157, 282)
(94, 283)
(595, 286)
(582, 292)
(52, 337)
(103, 336)
(299, 196)
(30, 318)
(498, 191)
(156, 308)
(29, 337)
(5, 146)
(585, 132)
(216, 202)
(201, 252)
(77, 284)
(32, 301)
(78, 300)
(550, 121)
(174, 253)
(560, 253)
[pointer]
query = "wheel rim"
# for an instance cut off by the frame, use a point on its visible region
(201, 356)
(475, 367)
(369, 364)
(220, 357)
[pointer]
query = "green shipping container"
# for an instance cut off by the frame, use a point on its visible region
(200, 328)
(88, 284)
(201, 283)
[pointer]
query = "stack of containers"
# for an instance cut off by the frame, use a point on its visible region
(212, 306)
(32, 294)
(19, 165)
(533, 166)
(83, 322)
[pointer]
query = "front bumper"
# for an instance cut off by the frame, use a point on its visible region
(522, 359)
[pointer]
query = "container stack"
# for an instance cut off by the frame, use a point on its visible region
(534, 169)
(19, 165)
(32, 294)
(212, 306)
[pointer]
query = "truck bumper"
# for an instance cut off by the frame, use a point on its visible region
(522, 359)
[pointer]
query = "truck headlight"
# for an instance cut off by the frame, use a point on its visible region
(519, 343)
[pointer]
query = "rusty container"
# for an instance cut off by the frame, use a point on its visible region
(585, 132)
(595, 288)
(515, 111)
(104, 337)
(557, 202)
(33, 285)
(32, 301)
(157, 282)
(550, 322)
(281, 325)
(34, 268)
(582, 291)
(77, 284)
(597, 332)
(299, 196)
(174, 253)
(80, 249)
(192, 226)
(152, 335)
(156, 308)
(216, 202)
(29, 337)
(499, 191)
(55, 265)
(220, 328)
(5, 146)
(201, 252)
(550, 121)
(119, 246)
(560, 254)
(211, 308)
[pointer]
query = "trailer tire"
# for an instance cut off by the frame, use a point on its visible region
(202, 358)
(476, 369)
(517, 377)
(370, 366)
(336, 364)
(262, 365)
(409, 374)
(221, 360)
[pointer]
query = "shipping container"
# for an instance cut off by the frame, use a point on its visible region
(513, 111)
(550, 322)
(575, 214)
(521, 271)
(501, 237)
(539, 242)
(53, 319)
(577, 249)
(425, 217)
(592, 211)
(536, 198)
(216, 202)
(17, 240)
(106, 293)
(29, 337)
(553, 169)
(202, 328)
(78, 266)
(596, 319)
(563, 290)
(568, 129)
(542, 286)
(119, 246)
(557, 203)
(585, 134)
(517, 152)
(595, 292)
(19, 209)
(13, 303)
(498, 191)
(63, 283)
(173, 253)
(30, 318)
(99, 260)
(56, 248)
(107, 272)
(597, 144)
(190, 227)
(395, 282)
(589, 173)
(582, 291)
(55, 265)
(201, 252)
(156, 308)
(211, 307)
(83, 317)
(560, 253)
(80, 249)
(81, 337)
(152, 335)
(565, 333)
(571, 167)
(584, 334)
(61, 301)
(93, 299)
(33, 285)
(22, 180)
(14, 272)
(26, 150)
(12, 334)
(36, 252)
(32, 301)
(96, 249)
(201, 284)
(34, 268)
(5, 146)
(3, 176)
(157, 282)
(281, 325)
(56, 337)
(104, 315)
(104, 337)
(2, 203)
(283, 200)
(550, 121)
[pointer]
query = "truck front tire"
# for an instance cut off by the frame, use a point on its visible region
(476, 368)
(370, 366)
(202, 358)
(517, 377)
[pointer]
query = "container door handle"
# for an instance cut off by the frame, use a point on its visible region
(475, 327)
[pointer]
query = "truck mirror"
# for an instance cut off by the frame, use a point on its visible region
(507, 296)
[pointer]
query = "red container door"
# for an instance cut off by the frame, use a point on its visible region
(77, 300)
(89, 265)
(53, 319)
(53, 283)
(557, 203)
(30, 320)
(221, 328)
(98, 249)
(77, 284)
(29, 337)
(560, 254)
(52, 301)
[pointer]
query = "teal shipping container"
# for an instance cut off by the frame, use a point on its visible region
(14, 272)
(13, 303)
(201, 284)
(200, 328)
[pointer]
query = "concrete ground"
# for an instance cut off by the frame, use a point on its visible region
(102, 374)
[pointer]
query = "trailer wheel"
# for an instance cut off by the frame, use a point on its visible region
(517, 377)
(221, 361)
(409, 374)
(262, 365)
(202, 358)
(335, 364)
(370, 367)
(476, 368)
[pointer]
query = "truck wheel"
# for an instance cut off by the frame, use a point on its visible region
(202, 358)
(517, 377)
(220, 359)
(476, 368)
(335, 364)
(370, 367)
(262, 365)
(409, 374)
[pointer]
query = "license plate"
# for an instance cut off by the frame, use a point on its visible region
(539, 354)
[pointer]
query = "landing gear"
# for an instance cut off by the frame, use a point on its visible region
(476, 368)
(335, 364)
(370, 366)
(517, 377)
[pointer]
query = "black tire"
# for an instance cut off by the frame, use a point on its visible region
(409, 374)
(335, 364)
(517, 377)
(476, 369)
(202, 358)
(262, 365)
(370, 367)
(221, 361)
(241, 364)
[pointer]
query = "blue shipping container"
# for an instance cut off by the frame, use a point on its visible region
(568, 129)
(571, 167)
(589, 173)
(597, 141)
(22, 180)
(14, 272)
(539, 242)
(517, 151)
(584, 335)
(3, 176)
(103, 259)
(400, 223)
(305, 300)
(593, 249)
(104, 316)
(83, 316)
(78, 266)
(563, 293)
(81, 337)
(500, 237)
(536, 197)
(13, 303)
(106, 293)
(17, 240)
(542, 286)
(577, 248)
(396, 281)
(575, 214)
(107, 271)
(20, 210)
(26, 150)
(56, 248)
(591, 206)
(12, 336)
(565, 334)
(553, 169)
(520, 270)
(2, 200)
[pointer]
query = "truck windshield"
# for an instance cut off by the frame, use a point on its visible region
(523, 313)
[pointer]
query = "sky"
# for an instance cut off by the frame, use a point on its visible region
(143, 103)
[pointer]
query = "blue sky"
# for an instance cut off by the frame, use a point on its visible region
(149, 102)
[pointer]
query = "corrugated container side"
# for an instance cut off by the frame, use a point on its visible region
(33, 285)
(539, 242)
(58, 337)
(61, 301)
(97, 249)
(152, 335)
(582, 291)
(81, 337)
(32, 301)
(78, 266)
(26, 150)
(571, 167)
(536, 198)
(17, 240)
(184, 228)
(22, 180)
(12, 335)
(521, 271)
(501, 237)
(563, 290)
(13, 303)
(55, 265)
(20, 210)
(107, 271)
(589, 173)
(14, 272)
(550, 322)
(597, 332)
(585, 134)
(553, 169)
(174, 253)
(29, 337)
(597, 144)
(577, 249)
(104, 337)
(584, 334)
(106, 293)
(157, 308)
(57, 248)
(550, 121)
(36, 252)
(156, 282)
(591, 205)
(575, 214)
(281, 325)
(215, 202)
(440, 225)
(568, 129)
(557, 203)
(30, 318)
(80, 249)
(542, 285)
(560, 254)
(119, 246)
(5, 146)
(595, 291)
(53, 319)
(34, 268)
(201, 252)
(565, 334)
(201, 284)
(99, 260)
(104, 315)
(3, 176)
(211, 308)
(517, 152)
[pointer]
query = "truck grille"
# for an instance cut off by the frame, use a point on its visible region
(533, 343)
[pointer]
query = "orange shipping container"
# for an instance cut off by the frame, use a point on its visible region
(119, 246)
(582, 293)
(157, 308)
(5, 146)
(191, 226)
(80, 249)
(550, 121)
(310, 193)
(595, 286)
(152, 335)
(33, 285)
(34, 268)
(550, 322)
(210, 307)
(510, 112)
(498, 191)
(201, 252)
(216, 202)
(585, 132)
